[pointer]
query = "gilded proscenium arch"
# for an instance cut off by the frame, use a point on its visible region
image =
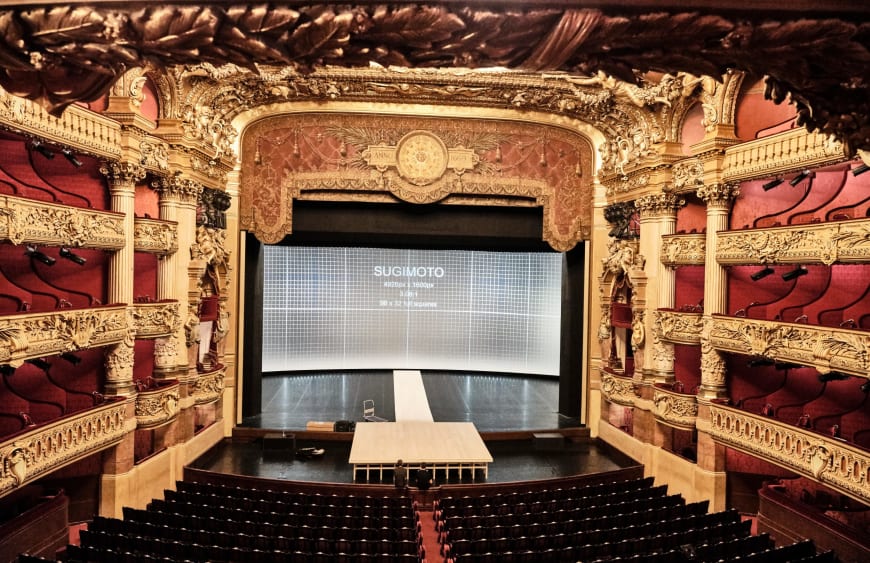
(355, 176)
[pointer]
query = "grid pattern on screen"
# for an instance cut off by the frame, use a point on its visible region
(376, 308)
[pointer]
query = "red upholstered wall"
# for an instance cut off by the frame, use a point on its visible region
(686, 362)
(689, 286)
(757, 117)
(692, 218)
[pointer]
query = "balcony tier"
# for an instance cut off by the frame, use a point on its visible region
(156, 320)
(155, 236)
(684, 250)
(208, 386)
(678, 327)
(675, 409)
(29, 221)
(618, 389)
(158, 406)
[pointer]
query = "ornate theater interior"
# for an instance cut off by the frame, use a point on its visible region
(699, 165)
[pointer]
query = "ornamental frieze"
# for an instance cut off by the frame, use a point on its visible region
(157, 406)
(824, 348)
(826, 243)
(155, 236)
(208, 386)
(780, 154)
(678, 327)
(675, 409)
(835, 463)
(688, 175)
(36, 452)
(684, 249)
(34, 335)
(30, 221)
(155, 320)
(618, 389)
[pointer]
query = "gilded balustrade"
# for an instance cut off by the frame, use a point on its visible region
(618, 389)
(155, 236)
(781, 153)
(824, 348)
(837, 464)
(675, 409)
(826, 243)
(678, 327)
(31, 221)
(208, 386)
(39, 450)
(157, 406)
(684, 249)
(34, 335)
(157, 319)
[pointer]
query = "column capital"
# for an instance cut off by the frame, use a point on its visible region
(122, 174)
(719, 194)
(664, 204)
(178, 187)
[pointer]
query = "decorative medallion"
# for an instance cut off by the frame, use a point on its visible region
(421, 157)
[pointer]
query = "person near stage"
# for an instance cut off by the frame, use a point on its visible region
(400, 475)
(424, 477)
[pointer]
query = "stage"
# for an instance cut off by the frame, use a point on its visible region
(447, 446)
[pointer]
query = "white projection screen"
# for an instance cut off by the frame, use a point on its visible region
(331, 308)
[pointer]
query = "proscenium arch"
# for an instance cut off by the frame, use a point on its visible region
(575, 269)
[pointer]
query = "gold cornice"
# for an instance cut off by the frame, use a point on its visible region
(27, 221)
(35, 335)
(823, 348)
(36, 452)
(837, 464)
(825, 243)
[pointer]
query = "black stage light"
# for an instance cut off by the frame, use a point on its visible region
(799, 178)
(40, 363)
(42, 149)
(72, 256)
(763, 273)
(772, 184)
(71, 157)
(37, 255)
(758, 362)
(833, 376)
(71, 358)
(865, 387)
(796, 273)
(6, 369)
(860, 170)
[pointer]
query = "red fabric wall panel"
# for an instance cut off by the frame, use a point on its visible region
(687, 360)
(143, 359)
(689, 286)
(145, 280)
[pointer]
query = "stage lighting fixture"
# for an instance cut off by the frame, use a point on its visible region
(833, 376)
(42, 149)
(71, 358)
(72, 256)
(68, 154)
(860, 169)
(6, 369)
(40, 363)
(799, 178)
(758, 362)
(762, 273)
(865, 387)
(37, 255)
(772, 184)
(796, 273)
(786, 365)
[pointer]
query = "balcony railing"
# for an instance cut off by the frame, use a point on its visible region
(157, 405)
(618, 388)
(675, 409)
(825, 243)
(684, 249)
(781, 153)
(37, 451)
(824, 348)
(678, 327)
(208, 386)
(835, 463)
(155, 236)
(156, 320)
(30, 221)
(34, 335)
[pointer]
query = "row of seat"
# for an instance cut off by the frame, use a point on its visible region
(372, 507)
(312, 499)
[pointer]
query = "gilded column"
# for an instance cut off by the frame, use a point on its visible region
(658, 216)
(122, 178)
(718, 198)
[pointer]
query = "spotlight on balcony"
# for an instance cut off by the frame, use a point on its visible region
(763, 273)
(71, 358)
(772, 184)
(782, 366)
(42, 149)
(865, 387)
(6, 369)
(802, 175)
(858, 170)
(72, 256)
(37, 255)
(68, 154)
(796, 273)
(40, 363)
(833, 376)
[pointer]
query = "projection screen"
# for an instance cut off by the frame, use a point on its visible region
(330, 308)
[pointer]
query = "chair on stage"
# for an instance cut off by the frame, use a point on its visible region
(369, 412)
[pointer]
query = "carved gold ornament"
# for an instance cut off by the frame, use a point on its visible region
(678, 327)
(25, 220)
(208, 387)
(618, 389)
(157, 406)
(675, 409)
